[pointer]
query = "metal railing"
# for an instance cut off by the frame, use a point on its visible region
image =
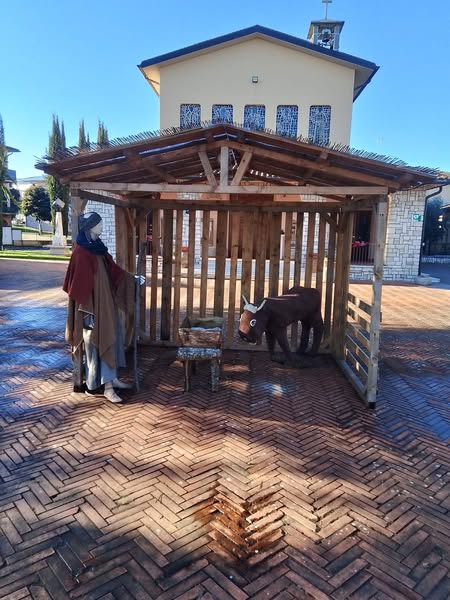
(362, 253)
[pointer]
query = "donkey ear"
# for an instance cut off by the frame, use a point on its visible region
(262, 304)
(244, 299)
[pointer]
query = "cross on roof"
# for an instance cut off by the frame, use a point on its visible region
(326, 2)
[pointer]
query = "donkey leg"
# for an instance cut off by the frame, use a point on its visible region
(282, 339)
(270, 339)
(317, 335)
(304, 338)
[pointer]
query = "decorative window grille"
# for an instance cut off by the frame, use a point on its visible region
(254, 116)
(287, 120)
(189, 115)
(222, 113)
(319, 124)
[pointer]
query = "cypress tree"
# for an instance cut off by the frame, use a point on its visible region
(2, 132)
(3, 176)
(102, 134)
(83, 140)
(56, 144)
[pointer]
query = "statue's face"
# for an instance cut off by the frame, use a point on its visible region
(96, 231)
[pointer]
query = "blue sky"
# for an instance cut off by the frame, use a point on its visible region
(78, 59)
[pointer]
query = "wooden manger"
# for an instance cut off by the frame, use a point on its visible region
(200, 339)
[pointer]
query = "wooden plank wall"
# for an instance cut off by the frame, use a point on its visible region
(355, 360)
(258, 253)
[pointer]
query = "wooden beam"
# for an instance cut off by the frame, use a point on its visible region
(86, 195)
(224, 166)
(206, 197)
(247, 206)
(359, 204)
(77, 207)
(375, 321)
(287, 198)
(207, 168)
(166, 286)
(307, 190)
(331, 222)
(312, 165)
(138, 161)
(243, 166)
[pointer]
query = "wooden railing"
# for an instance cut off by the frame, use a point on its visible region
(360, 362)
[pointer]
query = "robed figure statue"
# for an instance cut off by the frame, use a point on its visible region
(98, 288)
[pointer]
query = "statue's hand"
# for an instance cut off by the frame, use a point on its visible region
(140, 279)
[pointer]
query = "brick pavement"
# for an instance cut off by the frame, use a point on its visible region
(281, 485)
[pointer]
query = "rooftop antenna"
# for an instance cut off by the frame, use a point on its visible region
(326, 2)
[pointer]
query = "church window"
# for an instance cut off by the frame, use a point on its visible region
(287, 120)
(254, 116)
(189, 116)
(319, 124)
(222, 113)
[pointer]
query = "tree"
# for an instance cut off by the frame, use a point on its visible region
(15, 198)
(4, 192)
(56, 144)
(2, 132)
(36, 202)
(83, 140)
(433, 228)
(102, 134)
(11, 205)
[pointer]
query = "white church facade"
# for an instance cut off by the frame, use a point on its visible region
(264, 79)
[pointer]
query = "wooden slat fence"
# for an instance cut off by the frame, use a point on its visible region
(357, 363)
(258, 252)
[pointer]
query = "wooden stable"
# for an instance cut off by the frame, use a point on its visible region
(262, 192)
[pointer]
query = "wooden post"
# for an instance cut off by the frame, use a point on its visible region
(141, 222)
(155, 260)
(320, 253)
(204, 268)
(76, 208)
(224, 166)
(130, 239)
(221, 247)
(249, 222)
(235, 220)
(310, 248)
(287, 252)
(297, 267)
(262, 230)
(177, 275)
(330, 277)
(166, 292)
(375, 321)
(130, 251)
(274, 264)
(191, 263)
(121, 239)
(344, 249)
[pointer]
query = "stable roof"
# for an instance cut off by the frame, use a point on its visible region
(186, 158)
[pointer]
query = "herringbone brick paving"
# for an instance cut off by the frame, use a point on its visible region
(280, 485)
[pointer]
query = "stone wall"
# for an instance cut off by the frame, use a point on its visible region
(106, 211)
(403, 239)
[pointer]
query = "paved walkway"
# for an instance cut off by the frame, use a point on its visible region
(281, 485)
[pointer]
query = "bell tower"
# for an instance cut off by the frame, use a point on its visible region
(326, 32)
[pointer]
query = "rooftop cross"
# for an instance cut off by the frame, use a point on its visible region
(326, 2)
